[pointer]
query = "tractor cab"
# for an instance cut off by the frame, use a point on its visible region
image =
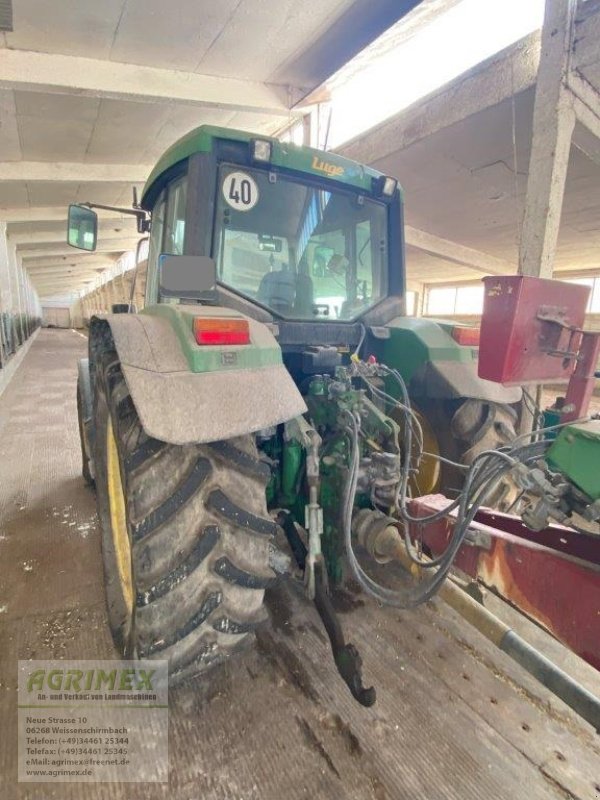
(303, 236)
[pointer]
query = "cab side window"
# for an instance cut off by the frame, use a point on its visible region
(167, 232)
(155, 247)
(175, 217)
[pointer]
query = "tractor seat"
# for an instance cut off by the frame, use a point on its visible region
(284, 291)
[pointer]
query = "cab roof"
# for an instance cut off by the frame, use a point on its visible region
(284, 154)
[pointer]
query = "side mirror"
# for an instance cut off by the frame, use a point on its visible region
(187, 277)
(82, 231)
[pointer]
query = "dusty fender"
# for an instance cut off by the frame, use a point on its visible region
(185, 393)
(434, 364)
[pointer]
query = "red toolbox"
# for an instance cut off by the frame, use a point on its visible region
(530, 329)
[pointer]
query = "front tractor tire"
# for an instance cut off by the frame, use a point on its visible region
(185, 536)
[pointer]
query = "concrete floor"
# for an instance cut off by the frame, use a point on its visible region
(454, 718)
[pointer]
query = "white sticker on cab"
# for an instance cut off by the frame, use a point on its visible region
(240, 191)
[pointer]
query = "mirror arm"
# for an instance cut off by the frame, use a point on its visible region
(143, 222)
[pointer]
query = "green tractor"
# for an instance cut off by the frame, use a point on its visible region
(264, 387)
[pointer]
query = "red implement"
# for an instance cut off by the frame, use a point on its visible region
(530, 329)
(553, 576)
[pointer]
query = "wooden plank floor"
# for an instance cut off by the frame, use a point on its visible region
(454, 718)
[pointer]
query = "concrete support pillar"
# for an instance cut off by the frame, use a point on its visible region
(24, 299)
(420, 300)
(553, 123)
(16, 308)
(113, 293)
(123, 292)
(19, 302)
(126, 284)
(108, 296)
(140, 287)
(5, 294)
(76, 312)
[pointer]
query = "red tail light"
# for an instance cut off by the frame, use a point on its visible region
(468, 337)
(224, 330)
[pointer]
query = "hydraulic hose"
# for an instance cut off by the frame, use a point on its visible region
(480, 482)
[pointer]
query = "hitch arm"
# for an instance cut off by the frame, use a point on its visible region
(346, 656)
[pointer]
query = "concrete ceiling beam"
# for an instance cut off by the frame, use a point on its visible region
(49, 291)
(584, 90)
(41, 237)
(68, 266)
(57, 231)
(61, 283)
(496, 79)
(11, 141)
(73, 268)
(74, 278)
(55, 288)
(106, 227)
(586, 34)
(49, 214)
(586, 105)
(77, 172)
(457, 253)
(67, 269)
(586, 136)
(25, 70)
(116, 246)
(71, 278)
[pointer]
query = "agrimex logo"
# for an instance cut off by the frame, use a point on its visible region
(76, 680)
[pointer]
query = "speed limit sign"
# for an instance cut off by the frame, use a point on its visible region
(240, 191)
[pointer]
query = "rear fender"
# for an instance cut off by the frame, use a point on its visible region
(433, 364)
(184, 393)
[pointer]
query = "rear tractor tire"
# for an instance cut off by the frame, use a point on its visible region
(463, 429)
(185, 537)
(86, 470)
(478, 426)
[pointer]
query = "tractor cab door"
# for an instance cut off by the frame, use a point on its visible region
(167, 232)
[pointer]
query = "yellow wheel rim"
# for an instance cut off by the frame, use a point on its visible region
(427, 479)
(118, 517)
